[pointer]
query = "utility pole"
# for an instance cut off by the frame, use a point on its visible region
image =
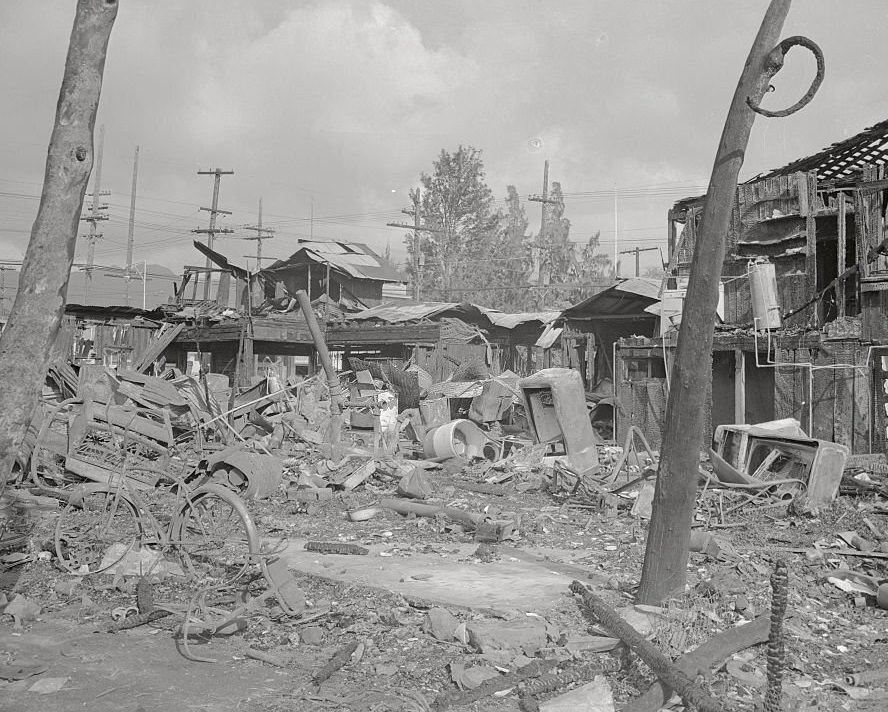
(616, 233)
(262, 233)
(95, 215)
(637, 252)
(543, 200)
(132, 226)
(664, 571)
(417, 247)
(3, 270)
(212, 231)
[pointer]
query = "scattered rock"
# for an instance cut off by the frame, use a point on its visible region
(313, 635)
(22, 610)
(48, 685)
(527, 636)
(440, 624)
(470, 678)
(724, 584)
(595, 696)
(415, 485)
(65, 587)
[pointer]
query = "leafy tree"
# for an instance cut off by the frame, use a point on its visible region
(557, 261)
(508, 259)
(472, 253)
(457, 205)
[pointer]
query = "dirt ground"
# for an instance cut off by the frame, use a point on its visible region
(381, 602)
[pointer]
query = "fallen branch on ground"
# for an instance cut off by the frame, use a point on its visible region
(264, 657)
(467, 519)
(704, 658)
(137, 620)
(662, 666)
(336, 662)
(466, 697)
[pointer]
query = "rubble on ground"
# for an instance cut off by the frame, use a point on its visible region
(422, 557)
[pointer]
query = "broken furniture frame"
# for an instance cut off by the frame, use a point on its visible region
(750, 455)
(555, 403)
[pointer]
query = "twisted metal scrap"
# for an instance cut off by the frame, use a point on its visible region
(776, 651)
(775, 64)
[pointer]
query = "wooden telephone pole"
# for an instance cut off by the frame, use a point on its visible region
(417, 228)
(262, 233)
(666, 555)
(131, 232)
(544, 201)
(212, 230)
(95, 216)
(637, 252)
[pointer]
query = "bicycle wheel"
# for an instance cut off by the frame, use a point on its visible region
(215, 534)
(96, 529)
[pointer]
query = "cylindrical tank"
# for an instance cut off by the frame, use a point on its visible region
(763, 287)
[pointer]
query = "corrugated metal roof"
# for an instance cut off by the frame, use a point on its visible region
(510, 321)
(355, 259)
(629, 296)
(397, 313)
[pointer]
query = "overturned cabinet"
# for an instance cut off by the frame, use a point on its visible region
(779, 451)
(555, 402)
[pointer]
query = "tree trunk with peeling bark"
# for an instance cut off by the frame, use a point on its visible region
(43, 285)
(666, 554)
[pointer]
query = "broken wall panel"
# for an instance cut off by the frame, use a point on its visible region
(879, 385)
(642, 403)
(844, 355)
(823, 396)
(862, 420)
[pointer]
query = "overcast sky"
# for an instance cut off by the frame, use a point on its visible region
(337, 106)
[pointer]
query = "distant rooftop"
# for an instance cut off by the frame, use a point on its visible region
(842, 161)
(355, 259)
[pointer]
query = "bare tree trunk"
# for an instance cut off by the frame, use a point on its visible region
(39, 305)
(666, 555)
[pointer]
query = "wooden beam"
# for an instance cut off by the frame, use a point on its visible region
(842, 246)
(739, 386)
(810, 186)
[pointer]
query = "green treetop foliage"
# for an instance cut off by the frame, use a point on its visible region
(471, 252)
(457, 205)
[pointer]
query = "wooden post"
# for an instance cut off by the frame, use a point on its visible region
(810, 184)
(40, 302)
(666, 554)
(842, 247)
(739, 386)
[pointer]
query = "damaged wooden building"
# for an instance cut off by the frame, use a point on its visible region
(803, 329)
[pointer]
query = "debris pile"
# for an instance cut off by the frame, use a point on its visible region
(416, 541)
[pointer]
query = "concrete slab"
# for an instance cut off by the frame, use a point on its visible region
(521, 580)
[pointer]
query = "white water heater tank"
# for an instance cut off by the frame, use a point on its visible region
(763, 287)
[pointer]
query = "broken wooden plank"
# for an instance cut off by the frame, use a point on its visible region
(156, 348)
